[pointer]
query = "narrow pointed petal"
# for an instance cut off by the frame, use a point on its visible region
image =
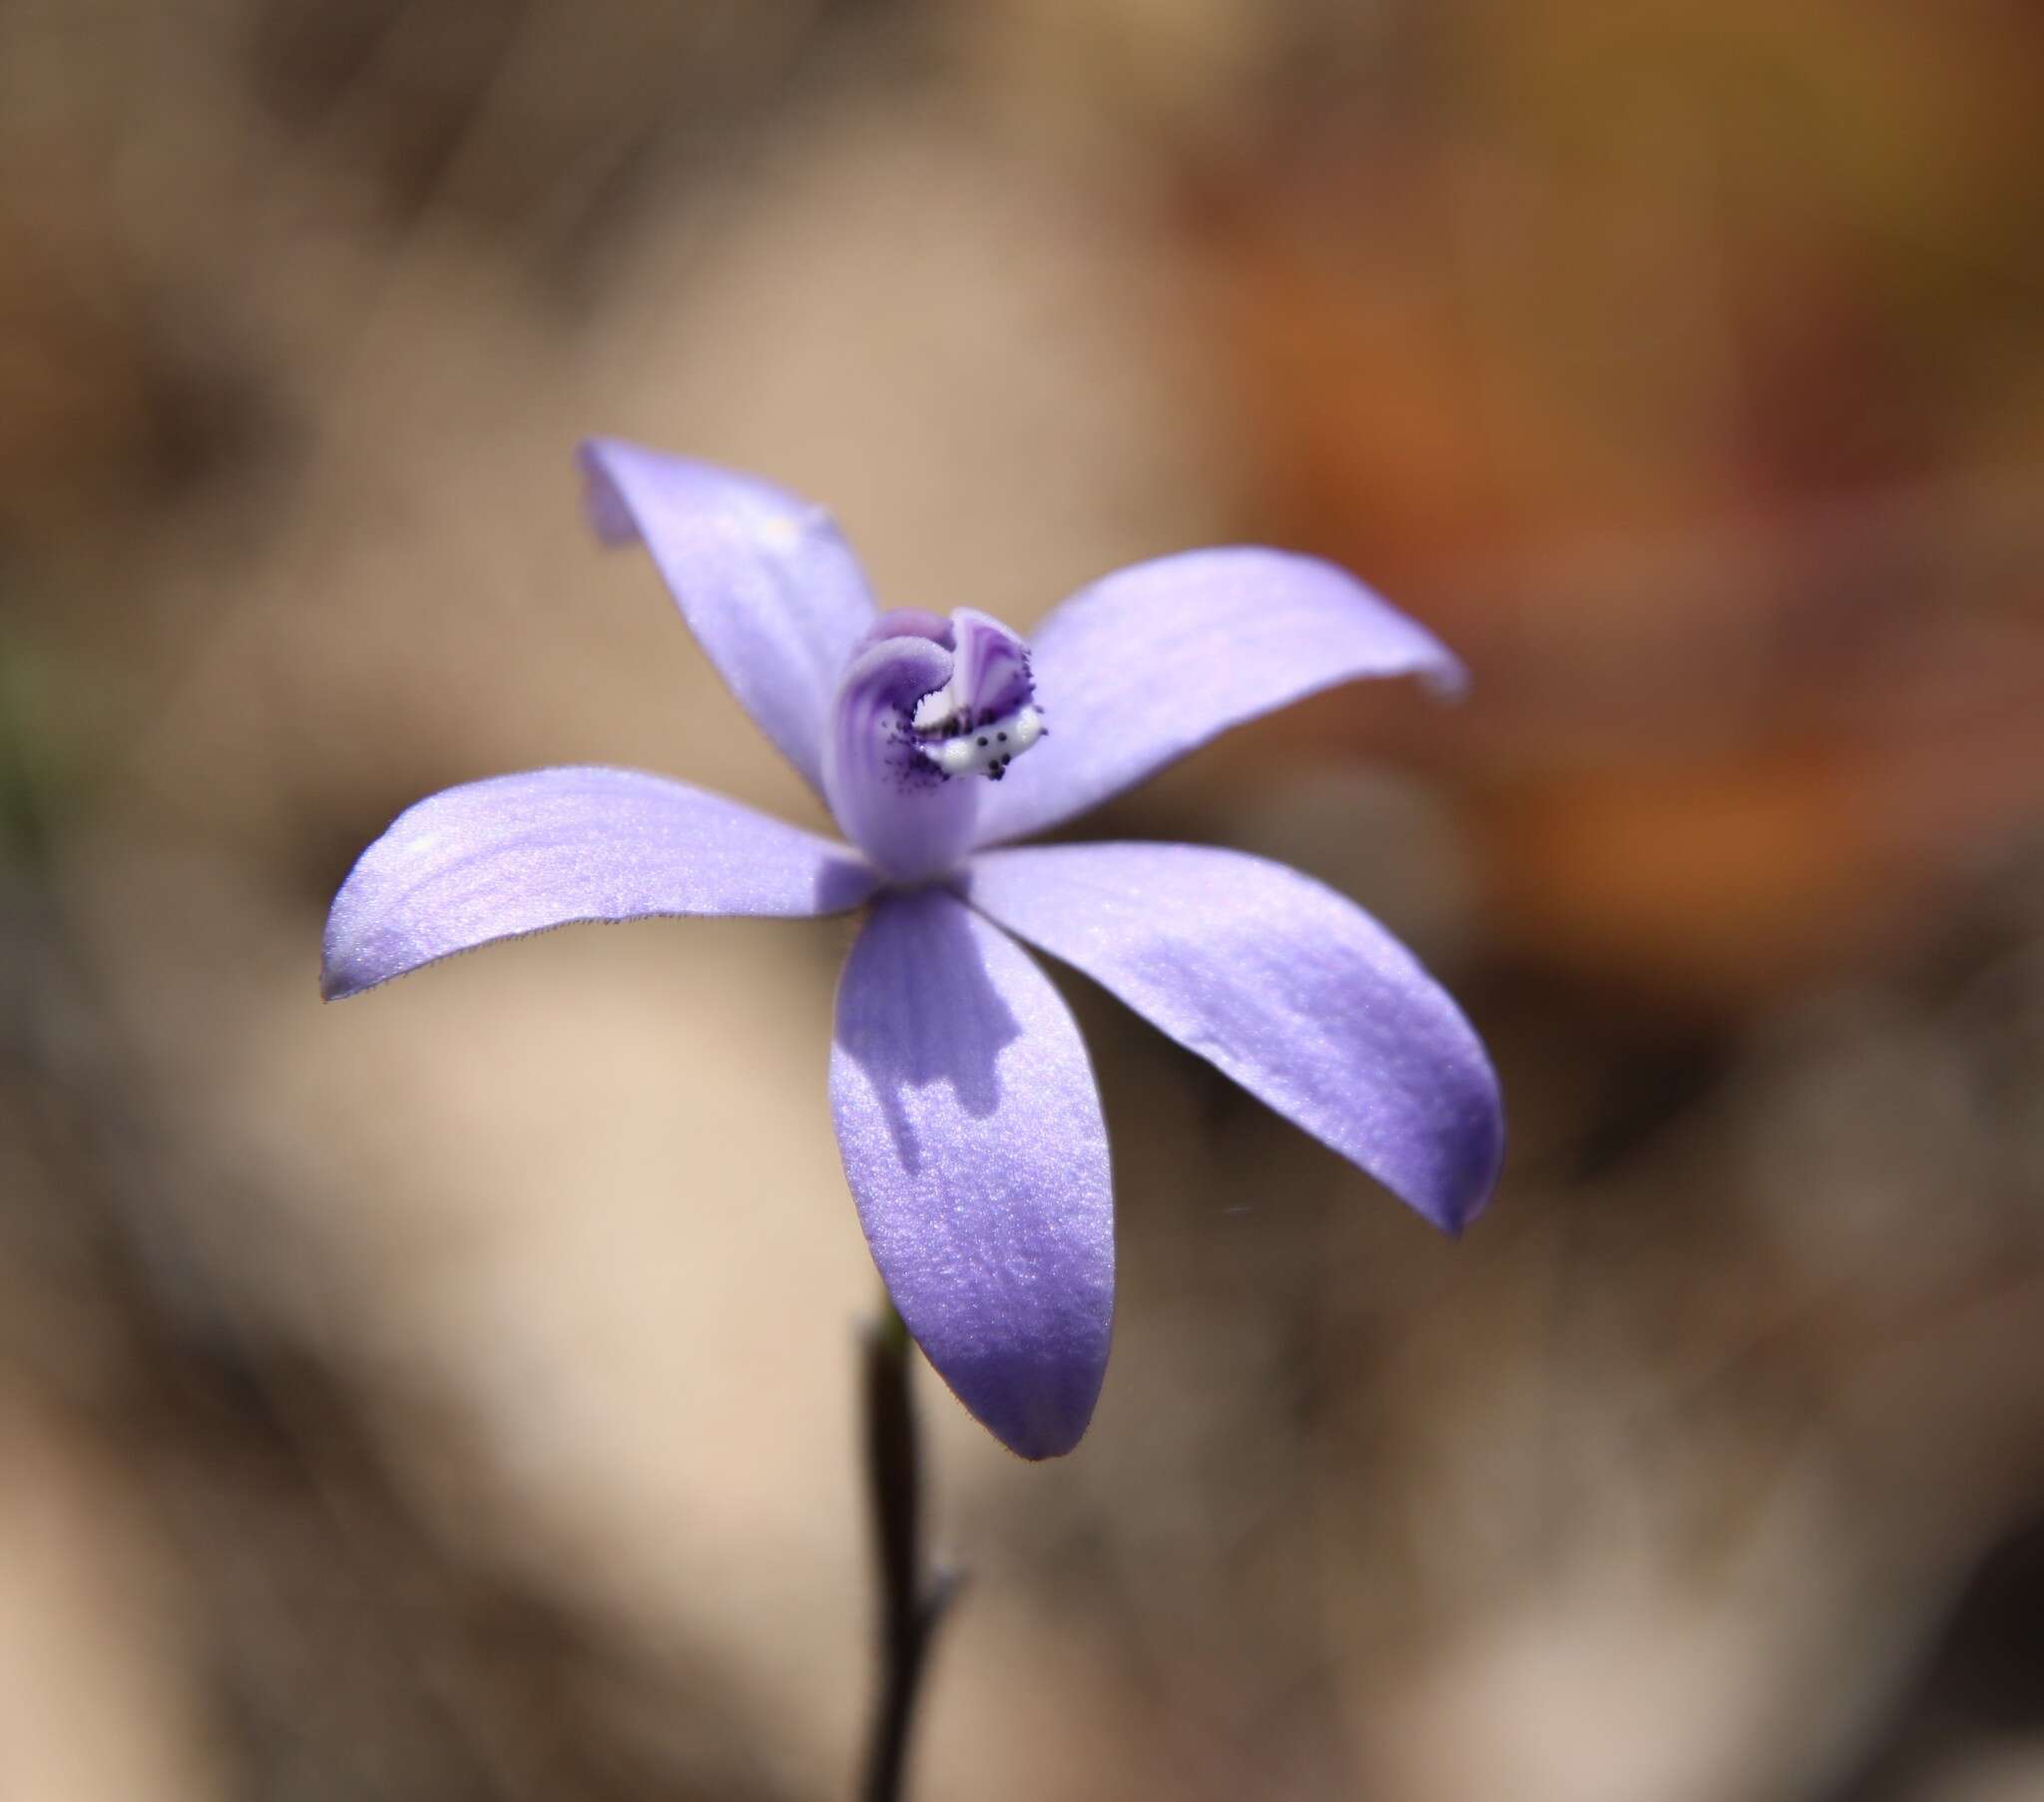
(1149, 664)
(1283, 985)
(517, 854)
(974, 1147)
(765, 582)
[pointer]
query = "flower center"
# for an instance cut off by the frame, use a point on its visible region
(985, 717)
(961, 745)
(926, 700)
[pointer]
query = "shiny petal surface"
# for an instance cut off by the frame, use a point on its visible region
(974, 1143)
(517, 854)
(1149, 664)
(765, 581)
(1285, 986)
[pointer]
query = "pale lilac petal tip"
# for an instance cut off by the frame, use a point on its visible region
(1149, 664)
(973, 1145)
(517, 854)
(765, 581)
(1283, 985)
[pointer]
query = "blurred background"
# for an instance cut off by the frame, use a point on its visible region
(451, 1395)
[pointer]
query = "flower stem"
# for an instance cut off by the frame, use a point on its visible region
(912, 1601)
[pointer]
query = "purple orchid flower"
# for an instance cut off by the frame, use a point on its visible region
(966, 1109)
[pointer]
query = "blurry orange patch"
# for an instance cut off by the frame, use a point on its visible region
(1702, 883)
(1649, 364)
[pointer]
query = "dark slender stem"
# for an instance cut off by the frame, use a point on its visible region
(912, 1601)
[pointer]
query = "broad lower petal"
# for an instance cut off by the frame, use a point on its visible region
(974, 1147)
(765, 581)
(518, 854)
(1285, 986)
(1149, 664)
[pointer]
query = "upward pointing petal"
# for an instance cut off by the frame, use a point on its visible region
(1155, 660)
(765, 582)
(975, 1149)
(517, 854)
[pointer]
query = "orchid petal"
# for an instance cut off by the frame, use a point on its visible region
(765, 581)
(1283, 985)
(974, 1147)
(1149, 664)
(517, 854)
